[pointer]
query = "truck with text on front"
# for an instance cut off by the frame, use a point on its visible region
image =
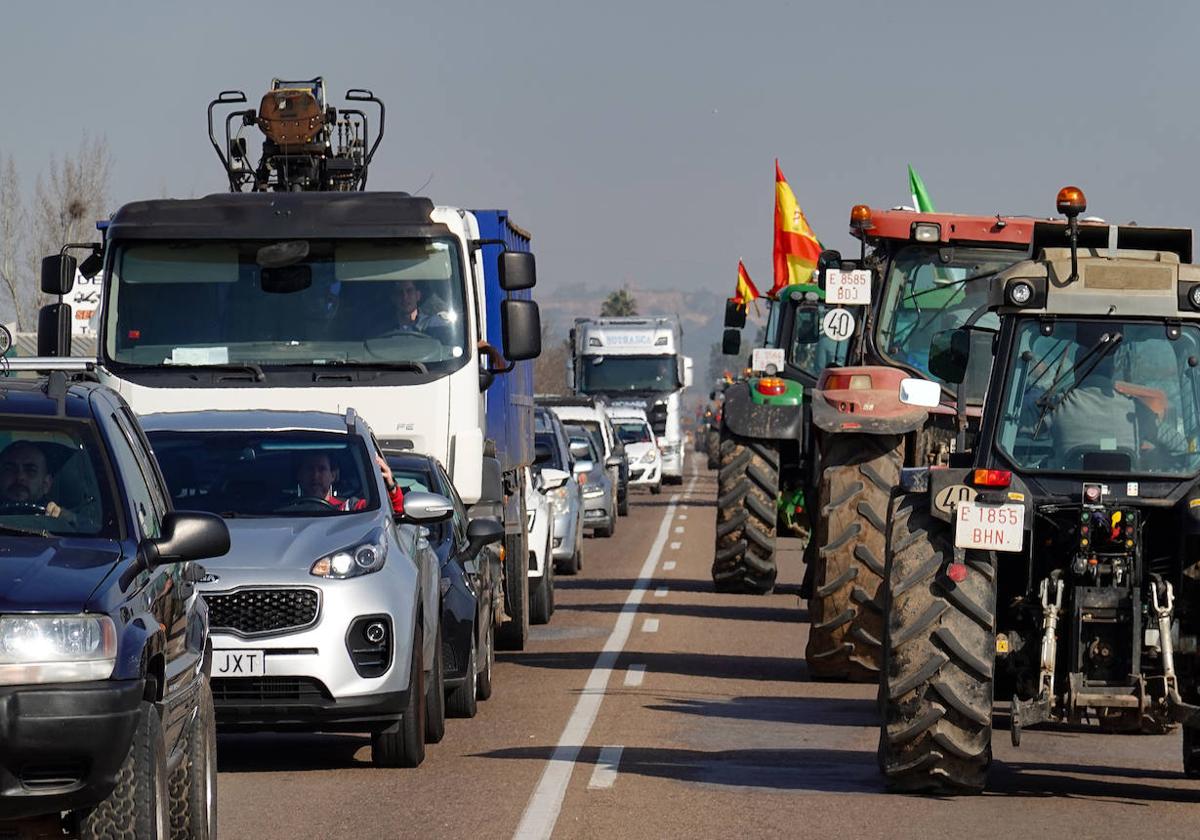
(636, 360)
(302, 295)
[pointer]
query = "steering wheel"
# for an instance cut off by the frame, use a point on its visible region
(309, 503)
(13, 508)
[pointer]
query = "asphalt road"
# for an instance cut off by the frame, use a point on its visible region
(652, 707)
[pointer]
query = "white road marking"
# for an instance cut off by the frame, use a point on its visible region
(661, 592)
(650, 625)
(681, 516)
(542, 810)
(678, 529)
(634, 675)
(675, 546)
(605, 773)
(669, 566)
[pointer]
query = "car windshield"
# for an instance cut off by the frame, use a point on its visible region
(632, 431)
(593, 431)
(267, 473)
(54, 479)
(617, 374)
(1102, 396)
(410, 477)
(307, 302)
(550, 442)
(930, 290)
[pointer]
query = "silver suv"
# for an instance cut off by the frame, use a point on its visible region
(325, 611)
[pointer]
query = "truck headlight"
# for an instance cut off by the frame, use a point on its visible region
(361, 559)
(649, 458)
(56, 648)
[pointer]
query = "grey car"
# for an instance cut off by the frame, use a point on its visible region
(599, 491)
(325, 612)
(552, 450)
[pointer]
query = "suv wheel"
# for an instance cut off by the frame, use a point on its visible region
(462, 701)
(194, 785)
(484, 689)
(138, 806)
(403, 743)
(435, 695)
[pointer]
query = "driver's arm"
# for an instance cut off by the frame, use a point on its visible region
(53, 509)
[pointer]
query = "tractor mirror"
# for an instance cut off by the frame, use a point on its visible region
(826, 260)
(920, 392)
(735, 315)
(731, 342)
(949, 351)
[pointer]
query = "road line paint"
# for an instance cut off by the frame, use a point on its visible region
(669, 566)
(544, 806)
(661, 592)
(634, 675)
(675, 546)
(681, 516)
(678, 529)
(604, 775)
(650, 625)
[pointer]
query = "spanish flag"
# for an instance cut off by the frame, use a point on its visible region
(796, 246)
(746, 291)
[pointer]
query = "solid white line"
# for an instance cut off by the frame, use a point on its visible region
(605, 774)
(634, 675)
(542, 810)
(661, 592)
(675, 546)
(678, 529)
(650, 625)
(669, 566)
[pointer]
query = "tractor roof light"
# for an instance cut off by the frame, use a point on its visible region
(1071, 201)
(1019, 293)
(927, 232)
(1194, 296)
(860, 217)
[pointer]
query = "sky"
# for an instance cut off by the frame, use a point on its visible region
(637, 140)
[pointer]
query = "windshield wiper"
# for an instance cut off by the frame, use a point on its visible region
(1049, 401)
(415, 367)
(9, 531)
(233, 367)
(921, 320)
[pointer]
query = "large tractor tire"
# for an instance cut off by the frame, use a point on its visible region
(858, 474)
(713, 449)
(747, 496)
(939, 659)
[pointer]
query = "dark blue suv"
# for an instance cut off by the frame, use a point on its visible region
(106, 720)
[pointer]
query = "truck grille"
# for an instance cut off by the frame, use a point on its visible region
(267, 689)
(251, 612)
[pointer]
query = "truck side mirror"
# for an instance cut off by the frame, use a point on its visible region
(58, 274)
(949, 351)
(54, 330)
(91, 264)
(517, 271)
(687, 372)
(735, 314)
(731, 342)
(826, 260)
(520, 329)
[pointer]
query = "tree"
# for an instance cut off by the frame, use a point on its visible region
(12, 228)
(550, 368)
(619, 303)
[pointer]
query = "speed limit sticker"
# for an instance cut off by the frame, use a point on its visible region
(852, 288)
(838, 324)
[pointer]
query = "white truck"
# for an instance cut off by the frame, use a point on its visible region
(637, 361)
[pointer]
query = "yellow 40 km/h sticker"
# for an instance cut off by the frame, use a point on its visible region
(949, 496)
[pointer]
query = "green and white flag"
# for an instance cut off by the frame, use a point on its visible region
(920, 197)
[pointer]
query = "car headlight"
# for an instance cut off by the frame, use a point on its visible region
(558, 500)
(592, 491)
(361, 559)
(56, 648)
(650, 457)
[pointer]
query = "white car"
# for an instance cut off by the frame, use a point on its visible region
(641, 447)
(539, 516)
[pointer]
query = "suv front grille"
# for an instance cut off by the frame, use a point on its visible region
(267, 689)
(251, 612)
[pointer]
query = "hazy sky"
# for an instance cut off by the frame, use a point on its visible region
(636, 140)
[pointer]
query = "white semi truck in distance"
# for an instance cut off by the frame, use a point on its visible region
(636, 360)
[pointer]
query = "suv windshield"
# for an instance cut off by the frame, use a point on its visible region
(304, 302)
(267, 473)
(1102, 396)
(54, 480)
(930, 290)
(632, 431)
(608, 374)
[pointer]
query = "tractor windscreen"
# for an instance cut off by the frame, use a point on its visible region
(930, 290)
(301, 302)
(1102, 396)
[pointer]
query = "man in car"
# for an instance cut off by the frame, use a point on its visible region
(316, 474)
(407, 297)
(25, 478)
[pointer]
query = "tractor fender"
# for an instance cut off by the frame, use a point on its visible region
(872, 406)
(748, 418)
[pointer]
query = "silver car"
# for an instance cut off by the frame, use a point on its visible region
(325, 612)
(599, 490)
(553, 452)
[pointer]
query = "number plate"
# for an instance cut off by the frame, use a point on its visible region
(849, 288)
(994, 527)
(239, 663)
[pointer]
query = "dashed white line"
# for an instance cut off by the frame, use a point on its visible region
(675, 546)
(634, 675)
(681, 516)
(544, 806)
(604, 775)
(678, 529)
(650, 625)
(669, 566)
(661, 592)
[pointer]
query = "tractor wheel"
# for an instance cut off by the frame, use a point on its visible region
(939, 658)
(857, 476)
(713, 449)
(747, 490)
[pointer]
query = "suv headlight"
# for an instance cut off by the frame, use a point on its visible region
(650, 457)
(559, 500)
(361, 559)
(591, 491)
(56, 648)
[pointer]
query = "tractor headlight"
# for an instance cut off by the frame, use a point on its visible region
(56, 648)
(1020, 293)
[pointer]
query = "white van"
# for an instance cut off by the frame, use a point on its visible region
(641, 446)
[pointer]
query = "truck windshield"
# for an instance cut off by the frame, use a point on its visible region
(267, 473)
(1102, 397)
(930, 290)
(305, 302)
(615, 374)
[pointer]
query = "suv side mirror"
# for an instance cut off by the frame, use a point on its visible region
(517, 271)
(552, 479)
(614, 461)
(188, 535)
(949, 351)
(731, 343)
(58, 274)
(583, 467)
(482, 531)
(520, 329)
(426, 508)
(580, 451)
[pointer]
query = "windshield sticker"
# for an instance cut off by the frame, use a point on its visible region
(838, 324)
(200, 356)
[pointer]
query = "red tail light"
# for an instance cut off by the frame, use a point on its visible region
(848, 382)
(771, 386)
(993, 478)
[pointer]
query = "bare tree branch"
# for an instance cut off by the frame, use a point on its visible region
(12, 229)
